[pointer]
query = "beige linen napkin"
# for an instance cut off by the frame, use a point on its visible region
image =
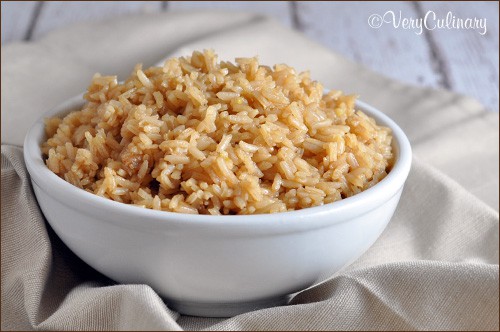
(434, 267)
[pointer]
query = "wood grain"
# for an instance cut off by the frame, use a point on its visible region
(470, 60)
(56, 14)
(400, 54)
(16, 19)
(280, 10)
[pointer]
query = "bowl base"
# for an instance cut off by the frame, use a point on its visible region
(224, 309)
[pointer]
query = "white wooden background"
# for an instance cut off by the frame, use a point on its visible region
(459, 60)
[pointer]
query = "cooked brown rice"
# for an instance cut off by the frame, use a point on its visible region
(201, 136)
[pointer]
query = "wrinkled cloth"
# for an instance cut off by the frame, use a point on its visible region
(434, 267)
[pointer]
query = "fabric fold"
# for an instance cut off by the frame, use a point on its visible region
(387, 297)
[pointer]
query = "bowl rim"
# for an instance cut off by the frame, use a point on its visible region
(136, 216)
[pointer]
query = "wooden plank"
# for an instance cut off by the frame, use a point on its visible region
(397, 53)
(470, 59)
(56, 14)
(280, 10)
(461, 60)
(16, 19)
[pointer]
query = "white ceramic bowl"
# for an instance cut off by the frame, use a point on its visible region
(216, 266)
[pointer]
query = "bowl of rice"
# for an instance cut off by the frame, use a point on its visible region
(224, 186)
